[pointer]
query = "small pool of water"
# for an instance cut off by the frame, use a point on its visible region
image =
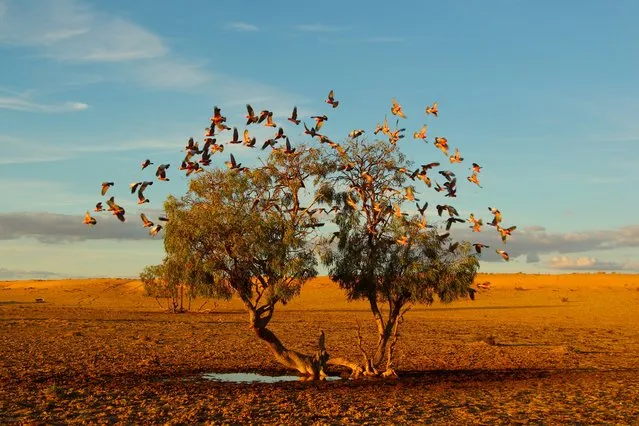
(257, 378)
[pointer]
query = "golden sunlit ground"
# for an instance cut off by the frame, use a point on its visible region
(534, 349)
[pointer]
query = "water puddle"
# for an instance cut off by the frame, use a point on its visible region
(258, 378)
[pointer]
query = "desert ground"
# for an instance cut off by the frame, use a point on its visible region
(535, 349)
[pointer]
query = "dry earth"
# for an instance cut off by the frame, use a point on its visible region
(536, 349)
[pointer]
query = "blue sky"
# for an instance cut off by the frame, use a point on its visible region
(544, 95)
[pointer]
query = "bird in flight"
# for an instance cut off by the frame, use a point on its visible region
(396, 109)
(88, 220)
(293, 117)
(105, 187)
(146, 163)
(479, 246)
(421, 134)
(503, 254)
(432, 109)
(161, 172)
(442, 144)
(331, 100)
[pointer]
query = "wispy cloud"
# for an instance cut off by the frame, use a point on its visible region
(21, 274)
(73, 32)
(318, 28)
(26, 105)
(67, 30)
(535, 241)
(589, 264)
(242, 27)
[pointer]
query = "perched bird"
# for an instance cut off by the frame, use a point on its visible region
(453, 246)
(331, 100)
(88, 220)
(396, 109)
(105, 187)
(98, 207)
(503, 254)
(403, 240)
(145, 221)
(146, 163)
(161, 172)
(434, 109)
(479, 246)
(421, 134)
(293, 117)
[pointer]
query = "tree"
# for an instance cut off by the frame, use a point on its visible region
(383, 255)
(246, 233)
(254, 233)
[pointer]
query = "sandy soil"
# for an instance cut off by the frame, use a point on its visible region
(536, 349)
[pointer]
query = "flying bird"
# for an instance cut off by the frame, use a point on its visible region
(331, 100)
(356, 133)
(497, 218)
(479, 246)
(98, 207)
(232, 164)
(456, 158)
(474, 179)
(236, 137)
(145, 221)
(503, 254)
(442, 144)
(476, 168)
(155, 229)
(146, 163)
(396, 109)
(250, 116)
(88, 220)
(105, 187)
(434, 109)
(505, 232)
(161, 172)
(116, 210)
(422, 209)
(293, 117)
(421, 134)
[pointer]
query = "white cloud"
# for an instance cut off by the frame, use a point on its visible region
(242, 27)
(70, 31)
(21, 103)
(588, 264)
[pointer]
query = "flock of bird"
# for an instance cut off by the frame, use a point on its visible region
(280, 141)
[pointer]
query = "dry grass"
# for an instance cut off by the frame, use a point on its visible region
(98, 351)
